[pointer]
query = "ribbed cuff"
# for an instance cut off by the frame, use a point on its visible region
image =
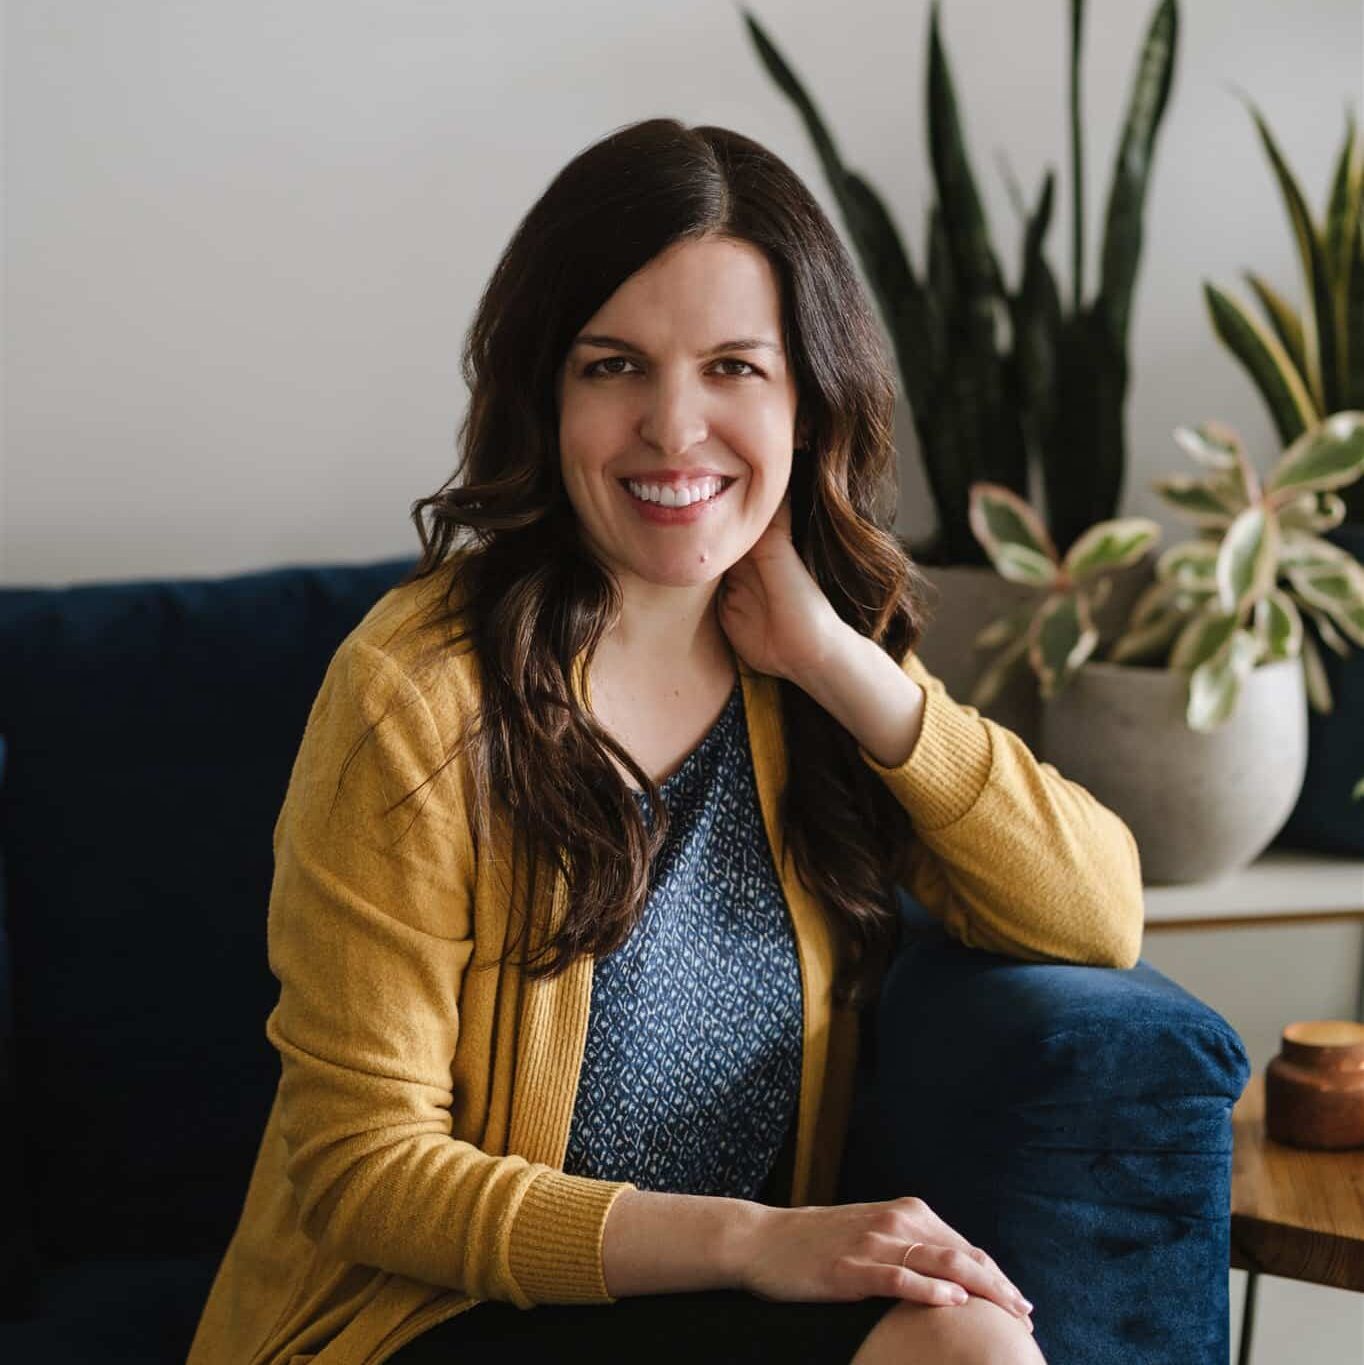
(949, 766)
(555, 1252)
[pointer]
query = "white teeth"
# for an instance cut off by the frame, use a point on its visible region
(666, 495)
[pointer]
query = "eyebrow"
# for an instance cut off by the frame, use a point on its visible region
(620, 344)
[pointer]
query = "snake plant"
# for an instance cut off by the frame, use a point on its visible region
(1001, 380)
(1214, 610)
(1310, 363)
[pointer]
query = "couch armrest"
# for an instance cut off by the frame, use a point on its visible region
(1075, 1122)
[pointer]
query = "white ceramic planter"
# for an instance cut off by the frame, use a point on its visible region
(1199, 805)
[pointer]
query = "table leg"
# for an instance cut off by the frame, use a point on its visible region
(1248, 1318)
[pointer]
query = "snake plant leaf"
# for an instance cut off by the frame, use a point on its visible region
(942, 293)
(1214, 444)
(1330, 455)
(1195, 498)
(878, 244)
(1314, 674)
(1342, 228)
(1110, 545)
(1318, 323)
(1204, 634)
(1062, 637)
(1248, 560)
(1215, 685)
(1338, 589)
(1278, 626)
(993, 677)
(1122, 238)
(1036, 313)
(968, 236)
(1291, 406)
(1353, 397)
(1312, 511)
(999, 517)
(1283, 317)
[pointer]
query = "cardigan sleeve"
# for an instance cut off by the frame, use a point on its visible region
(1009, 854)
(369, 933)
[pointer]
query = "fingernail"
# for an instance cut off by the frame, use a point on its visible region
(1024, 1304)
(958, 1296)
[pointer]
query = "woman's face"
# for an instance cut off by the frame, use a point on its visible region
(667, 400)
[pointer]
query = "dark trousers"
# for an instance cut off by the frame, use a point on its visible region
(727, 1325)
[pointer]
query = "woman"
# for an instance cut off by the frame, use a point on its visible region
(586, 868)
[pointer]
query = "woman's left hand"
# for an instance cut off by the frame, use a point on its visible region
(775, 615)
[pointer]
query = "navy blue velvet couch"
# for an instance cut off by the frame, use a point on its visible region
(1074, 1121)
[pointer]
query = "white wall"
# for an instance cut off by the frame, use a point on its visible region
(243, 241)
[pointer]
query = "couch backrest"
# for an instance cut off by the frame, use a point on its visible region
(149, 731)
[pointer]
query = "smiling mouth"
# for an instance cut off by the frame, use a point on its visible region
(725, 482)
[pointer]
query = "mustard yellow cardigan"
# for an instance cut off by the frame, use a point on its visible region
(411, 1165)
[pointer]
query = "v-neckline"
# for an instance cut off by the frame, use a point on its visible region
(700, 744)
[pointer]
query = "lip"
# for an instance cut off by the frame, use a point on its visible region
(675, 516)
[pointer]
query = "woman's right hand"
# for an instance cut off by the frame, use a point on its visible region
(853, 1251)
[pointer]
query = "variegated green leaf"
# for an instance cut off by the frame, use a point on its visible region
(1000, 517)
(1278, 625)
(1150, 640)
(1202, 637)
(1021, 564)
(992, 679)
(1196, 498)
(1192, 563)
(1312, 511)
(1248, 561)
(1006, 628)
(1211, 443)
(1302, 549)
(1314, 674)
(1330, 455)
(1215, 685)
(1110, 545)
(1063, 636)
(1325, 629)
(1357, 793)
(1337, 589)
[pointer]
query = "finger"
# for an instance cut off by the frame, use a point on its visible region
(952, 1263)
(946, 1235)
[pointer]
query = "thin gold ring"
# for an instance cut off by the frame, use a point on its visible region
(905, 1257)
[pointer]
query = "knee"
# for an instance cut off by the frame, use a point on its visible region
(976, 1332)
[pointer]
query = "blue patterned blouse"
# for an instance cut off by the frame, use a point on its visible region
(692, 1064)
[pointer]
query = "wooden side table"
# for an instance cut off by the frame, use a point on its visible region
(1295, 1213)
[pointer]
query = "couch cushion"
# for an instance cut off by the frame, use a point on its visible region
(113, 1311)
(151, 728)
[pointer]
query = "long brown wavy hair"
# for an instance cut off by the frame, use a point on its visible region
(528, 597)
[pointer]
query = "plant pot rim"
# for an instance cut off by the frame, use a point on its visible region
(1107, 668)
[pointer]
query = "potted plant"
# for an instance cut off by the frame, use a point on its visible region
(1002, 380)
(1305, 363)
(1194, 727)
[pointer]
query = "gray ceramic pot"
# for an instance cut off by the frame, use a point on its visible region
(1199, 805)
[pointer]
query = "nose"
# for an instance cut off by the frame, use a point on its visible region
(674, 418)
